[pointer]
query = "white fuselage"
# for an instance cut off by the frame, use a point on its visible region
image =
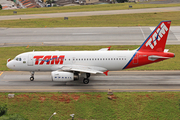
(110, 60)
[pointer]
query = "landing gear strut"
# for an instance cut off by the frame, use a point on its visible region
(32, 76)
(86, 80)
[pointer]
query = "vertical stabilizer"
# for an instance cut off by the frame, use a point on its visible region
(157, 39)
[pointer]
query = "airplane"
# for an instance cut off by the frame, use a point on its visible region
(71, 65)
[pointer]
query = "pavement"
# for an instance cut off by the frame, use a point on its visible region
(90, 13)
(81, 36)
(117, 81)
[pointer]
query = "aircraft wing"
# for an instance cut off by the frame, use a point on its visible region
(84, 69)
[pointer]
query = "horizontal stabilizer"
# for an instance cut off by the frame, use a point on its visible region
(166, 50)
(154, 57)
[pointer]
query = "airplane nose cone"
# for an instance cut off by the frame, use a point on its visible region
(9, 65)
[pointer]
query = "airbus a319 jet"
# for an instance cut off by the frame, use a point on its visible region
(73, 65)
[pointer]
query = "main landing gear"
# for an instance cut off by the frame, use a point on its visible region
(86, 80)
(32, 76)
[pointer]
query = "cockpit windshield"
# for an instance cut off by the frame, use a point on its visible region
(17, 59)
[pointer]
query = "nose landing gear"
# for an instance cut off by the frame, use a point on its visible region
(32, 76)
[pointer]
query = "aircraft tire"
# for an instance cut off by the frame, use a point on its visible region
(86, 81)
(31, 78)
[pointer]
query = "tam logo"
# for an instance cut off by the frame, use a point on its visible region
(49, 60)
(158, 34)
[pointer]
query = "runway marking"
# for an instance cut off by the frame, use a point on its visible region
(87, 89)
(142, 32)
(1, 73)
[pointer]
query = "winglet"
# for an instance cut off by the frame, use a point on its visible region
(109, 47)
(105, 49)
(106, 72)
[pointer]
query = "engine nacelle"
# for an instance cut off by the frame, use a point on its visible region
(62, 76)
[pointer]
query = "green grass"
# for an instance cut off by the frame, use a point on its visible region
(170, 64)
(143, 19)
(119, 6)
(125, 106)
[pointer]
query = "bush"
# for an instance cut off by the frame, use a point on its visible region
(122, 1)
(3, 109)
(0, 7)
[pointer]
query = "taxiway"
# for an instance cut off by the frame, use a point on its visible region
(119, 81)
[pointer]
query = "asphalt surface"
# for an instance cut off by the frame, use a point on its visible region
(81, 36)
(90, 13)
(118, 81)
(161, 2)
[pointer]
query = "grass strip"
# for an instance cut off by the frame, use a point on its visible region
(143, 19)
(83, 8)
(124, 105)
(170, 64)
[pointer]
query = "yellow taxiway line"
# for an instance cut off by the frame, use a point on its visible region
(1, 73)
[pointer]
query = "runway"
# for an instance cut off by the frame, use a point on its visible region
(81, 36)
(120, 81)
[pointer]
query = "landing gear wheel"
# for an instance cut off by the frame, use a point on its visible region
(31, 78)
(86, 81)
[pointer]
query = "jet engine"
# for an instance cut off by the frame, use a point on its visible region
(64, 76)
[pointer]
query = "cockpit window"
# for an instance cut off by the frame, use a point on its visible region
(17, 59)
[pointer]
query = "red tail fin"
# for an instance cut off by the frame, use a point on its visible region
(157, 39)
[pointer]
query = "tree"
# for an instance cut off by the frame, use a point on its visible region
(0, 7)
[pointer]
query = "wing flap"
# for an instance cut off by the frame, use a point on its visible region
(85, 69)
